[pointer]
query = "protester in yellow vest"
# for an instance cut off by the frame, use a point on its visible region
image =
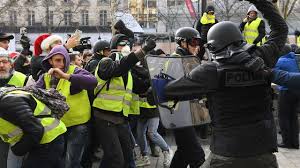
(253, 27)
(115, 99)
(73, 83)
(8, 77)
(207, 20)
(297, 37)
(29, 122)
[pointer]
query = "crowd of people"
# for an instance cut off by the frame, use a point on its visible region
(58, 107)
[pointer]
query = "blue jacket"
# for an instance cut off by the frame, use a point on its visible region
(289, 63)
(290, 80)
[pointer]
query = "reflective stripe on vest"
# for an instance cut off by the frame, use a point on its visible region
(80, 109)
(251, 31)
(144, 103)
(18, 79)
(298, 41)
(116, 98)
(52, 127)
(208, 19)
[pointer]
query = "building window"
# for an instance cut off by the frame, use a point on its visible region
(67, 1)
(67, 18)
(151, 4)
(103, 18)
(13, 18)
(50, 17)
(85, 18)
(31, 18)
(100, 2)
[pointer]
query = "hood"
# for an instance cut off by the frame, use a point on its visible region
(119, 25)
(289, 55)
(60, 49)
(252, 8)
(210, 8)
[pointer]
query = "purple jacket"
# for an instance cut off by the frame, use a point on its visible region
(80, 79)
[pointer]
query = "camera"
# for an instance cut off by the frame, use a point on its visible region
(84, 43)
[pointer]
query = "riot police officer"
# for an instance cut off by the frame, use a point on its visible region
(244, 133)
(189, 150)
(100, 49)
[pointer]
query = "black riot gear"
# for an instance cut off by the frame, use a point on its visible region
(239, 98)
(186, 34)
(100, 45)
(222, 35)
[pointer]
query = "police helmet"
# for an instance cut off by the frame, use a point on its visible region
(100, 45)
(116, 39)
(186, 34)
(222, 35)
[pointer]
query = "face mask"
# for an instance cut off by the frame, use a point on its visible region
(125, 50)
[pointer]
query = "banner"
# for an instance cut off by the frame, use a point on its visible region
(191, 8)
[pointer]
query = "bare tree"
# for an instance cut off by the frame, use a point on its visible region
(6, 5)
(226, 9)
(286, 7)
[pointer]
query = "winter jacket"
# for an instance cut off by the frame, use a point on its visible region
(92, 64)
(19, 111)
(287, 63)
(36, 66)
(117, 69)
(20, 66)
(80, 79)
(290, 80)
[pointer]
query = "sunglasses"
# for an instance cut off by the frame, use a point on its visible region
(195, 42)
(123, 43)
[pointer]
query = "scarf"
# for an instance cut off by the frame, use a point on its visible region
(51, 98)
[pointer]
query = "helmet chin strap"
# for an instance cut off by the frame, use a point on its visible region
(187, 49)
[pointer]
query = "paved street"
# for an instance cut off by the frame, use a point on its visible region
(287, 158)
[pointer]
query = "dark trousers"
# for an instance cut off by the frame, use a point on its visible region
(3, 153)
(189, 151)
(46, 155)
(116, 143)
(76, 139)
(288, 118)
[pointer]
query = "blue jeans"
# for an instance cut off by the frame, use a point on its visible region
(48, 155)
(76, 139)
(150, 124)
(14, 161)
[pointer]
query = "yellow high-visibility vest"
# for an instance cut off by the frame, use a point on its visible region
(117, 98)
(80, 108)
(53, 127)
(298, 41)
(251, 32)
(208, 19)
(144, 103)
(18, 79)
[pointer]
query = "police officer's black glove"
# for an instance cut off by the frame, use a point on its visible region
(150, 45)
